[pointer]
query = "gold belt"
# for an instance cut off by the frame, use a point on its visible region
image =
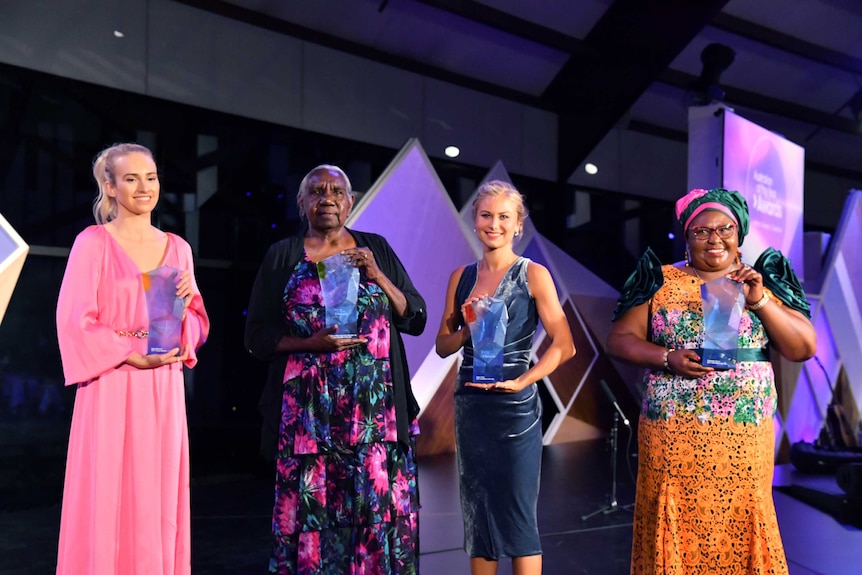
(141, 333)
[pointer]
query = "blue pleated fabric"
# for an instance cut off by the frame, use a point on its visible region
(499, 435)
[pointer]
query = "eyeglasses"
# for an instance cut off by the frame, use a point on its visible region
(703, 234)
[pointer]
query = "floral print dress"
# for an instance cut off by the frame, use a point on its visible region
(706, 452)
(346, 498)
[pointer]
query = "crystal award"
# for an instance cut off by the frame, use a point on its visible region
(339, 286)
(488, 319)
(723, 306)
(165, 309)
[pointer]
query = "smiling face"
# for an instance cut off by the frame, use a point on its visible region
(134, 184)
(712, 253)
(497, 221)
(326, 202)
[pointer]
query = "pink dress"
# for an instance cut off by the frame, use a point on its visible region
(126, 494)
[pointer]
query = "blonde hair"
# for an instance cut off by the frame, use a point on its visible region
(497, 188)
(104, 206)
(306, 183)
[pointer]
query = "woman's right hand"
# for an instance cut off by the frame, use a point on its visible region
(322, 341)
(154, 360)
(467, 309)
(686, 362)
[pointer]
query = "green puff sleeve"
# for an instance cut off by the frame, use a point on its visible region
(781, 280)
(644, 282)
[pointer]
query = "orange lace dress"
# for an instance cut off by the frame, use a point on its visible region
(704, 488)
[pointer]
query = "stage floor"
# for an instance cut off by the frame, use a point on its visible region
(231, 517)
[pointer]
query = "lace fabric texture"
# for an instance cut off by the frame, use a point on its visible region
(704, 490)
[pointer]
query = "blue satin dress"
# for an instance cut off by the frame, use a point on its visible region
(499, 435)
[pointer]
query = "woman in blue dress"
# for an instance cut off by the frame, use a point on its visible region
(498, 429)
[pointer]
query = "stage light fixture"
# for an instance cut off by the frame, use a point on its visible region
(716, 58)
(591, 168)
(452, 151)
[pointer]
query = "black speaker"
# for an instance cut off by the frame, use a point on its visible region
(849, 477)
(845, 509)
(810, 458)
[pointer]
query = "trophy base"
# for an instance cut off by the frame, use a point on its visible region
(718, 358)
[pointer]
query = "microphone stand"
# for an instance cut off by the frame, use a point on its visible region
(612, 505)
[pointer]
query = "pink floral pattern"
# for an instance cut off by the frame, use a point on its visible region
(346, 496)
(745, 394)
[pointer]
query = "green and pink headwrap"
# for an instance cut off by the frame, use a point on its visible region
(729, 202)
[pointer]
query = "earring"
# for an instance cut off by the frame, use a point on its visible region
(687, 259)
(517, 234)
(738, 256)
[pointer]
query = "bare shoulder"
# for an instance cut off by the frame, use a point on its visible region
(539, 282)
(536, 271)
(456, 273)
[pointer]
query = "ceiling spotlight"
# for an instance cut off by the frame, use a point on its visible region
(118, 34)
(591, 168)
(452, 151)
(716, 58)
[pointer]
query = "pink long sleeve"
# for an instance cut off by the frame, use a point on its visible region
(196, 325)
(102, 295)
(88, 347)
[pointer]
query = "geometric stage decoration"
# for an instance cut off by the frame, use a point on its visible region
(409, 206)
(13, 251)
(835, 373)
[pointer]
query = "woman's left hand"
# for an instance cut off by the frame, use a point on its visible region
(184, 289)
(752, 281)
(508, 386)
(363, 258)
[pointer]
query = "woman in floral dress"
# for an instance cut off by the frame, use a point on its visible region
(346, 494)
(706, 437)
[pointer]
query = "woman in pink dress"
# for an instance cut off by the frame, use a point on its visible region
(126, 494)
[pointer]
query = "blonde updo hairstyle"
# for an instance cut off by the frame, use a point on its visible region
(497, 188)
(305, 184)
(104, 206)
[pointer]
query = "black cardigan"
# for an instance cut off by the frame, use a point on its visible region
(264, 327)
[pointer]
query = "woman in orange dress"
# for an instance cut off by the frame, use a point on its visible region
(706, 436)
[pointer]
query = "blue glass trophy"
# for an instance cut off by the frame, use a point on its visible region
(339, 286)
(723, 306)
(488, 322)
(164, 308)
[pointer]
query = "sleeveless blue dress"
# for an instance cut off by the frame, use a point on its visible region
(499, 435)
